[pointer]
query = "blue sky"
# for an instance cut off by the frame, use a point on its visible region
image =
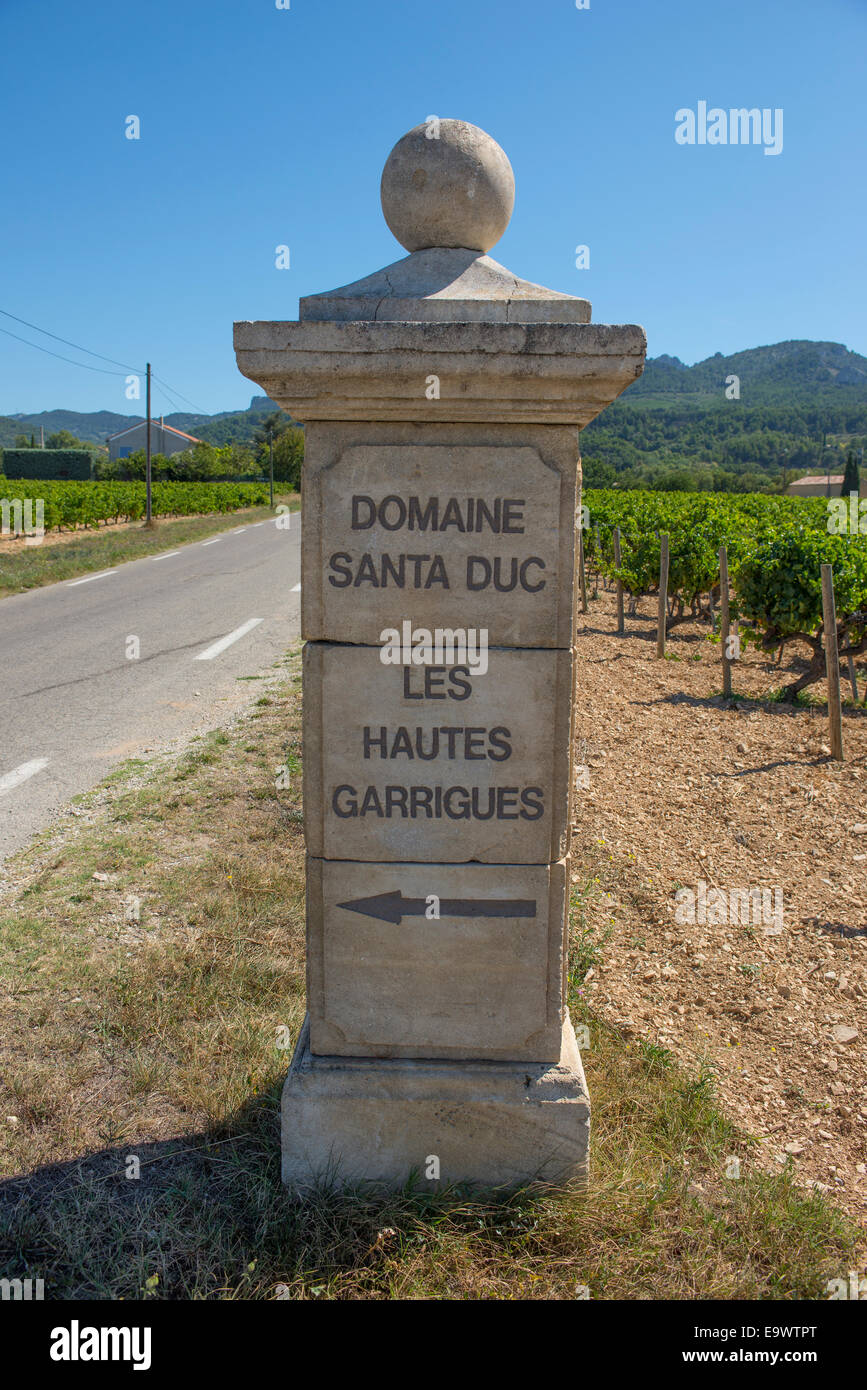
(262, 127)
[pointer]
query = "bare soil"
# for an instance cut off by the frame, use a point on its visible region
(13, 545)
(682, 786)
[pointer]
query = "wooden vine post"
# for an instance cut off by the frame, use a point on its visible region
(725, 621)
(582, 572)
(620, 624)
(832, 663)
(663, 596)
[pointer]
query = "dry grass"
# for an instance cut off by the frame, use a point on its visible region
(157, 1039)
(67, 555)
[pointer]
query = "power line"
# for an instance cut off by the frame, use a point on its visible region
(90, 353)
(68, 343)
(161, 391)
(177, 393)
(39, 348)
(164, 391)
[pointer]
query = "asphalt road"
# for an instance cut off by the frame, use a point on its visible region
(74, 703)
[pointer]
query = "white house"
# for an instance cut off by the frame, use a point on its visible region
(821, 485)
(165, 439)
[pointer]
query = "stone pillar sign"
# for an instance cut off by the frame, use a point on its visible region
(442, 399)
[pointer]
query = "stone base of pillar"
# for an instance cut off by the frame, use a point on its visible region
(497, 1124)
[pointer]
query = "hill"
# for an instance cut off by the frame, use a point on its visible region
(795, 407)
(774, 372)
(799, 407)
(91, 428)
(227, 427)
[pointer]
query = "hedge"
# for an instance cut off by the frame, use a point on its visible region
(48, 463)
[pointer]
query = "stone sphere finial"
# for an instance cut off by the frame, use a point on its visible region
(447, 183)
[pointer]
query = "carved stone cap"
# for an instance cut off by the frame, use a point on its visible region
(444, 285)
(563, 373)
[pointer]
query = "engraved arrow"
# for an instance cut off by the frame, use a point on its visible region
(393, 907)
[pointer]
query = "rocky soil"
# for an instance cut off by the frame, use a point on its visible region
(677, 789)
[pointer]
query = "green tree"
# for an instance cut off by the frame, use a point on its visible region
(288, 442)
(288, 458)
(851, 475)
(273, 425)
(65, 439)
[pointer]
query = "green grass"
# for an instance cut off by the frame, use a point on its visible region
(31, 567)
(155, 1036)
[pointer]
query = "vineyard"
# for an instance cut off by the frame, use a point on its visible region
(776, 547)
(68, 504)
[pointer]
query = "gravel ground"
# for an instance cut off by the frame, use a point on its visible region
(679, 790)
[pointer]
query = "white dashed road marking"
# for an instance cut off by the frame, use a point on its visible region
(88, 579)
(210, 652)
(213, 542)
(21, 774)
(166, 556)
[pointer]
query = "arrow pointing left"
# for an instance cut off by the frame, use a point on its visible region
(393, 907)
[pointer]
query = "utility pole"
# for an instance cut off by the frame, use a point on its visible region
(149, 521)
(822, 453)
(271, 463)
(786, 459)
